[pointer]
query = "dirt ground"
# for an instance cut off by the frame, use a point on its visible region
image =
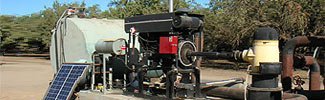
(27, 78)
(23, 78)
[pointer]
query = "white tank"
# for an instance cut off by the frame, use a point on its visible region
(76, 38)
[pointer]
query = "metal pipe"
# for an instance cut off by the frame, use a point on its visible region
(199, 43)
(93, 73)
(309, 60)
(104, 72)
(288, 52)
(171, 4)
(170, 83)
(110, 78)
(57, 67)
(238, 93)
(213, 55)
(313, 94)
(140, 80)
(287, 60)
(56, 45)
(197, 82)
(314, 80)
(226, 92)
(320, 59)
(222, 83)
(291, 96)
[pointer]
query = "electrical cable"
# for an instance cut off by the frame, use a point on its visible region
(246, 82)
(144, 39)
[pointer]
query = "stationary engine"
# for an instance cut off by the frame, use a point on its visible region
(164, 40)
(150, 57)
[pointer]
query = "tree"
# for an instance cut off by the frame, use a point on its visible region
(129, 8)
(94, 11)
(228, 25)
(31, 33)
(234, 21)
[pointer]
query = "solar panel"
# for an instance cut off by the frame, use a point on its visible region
(65, 81)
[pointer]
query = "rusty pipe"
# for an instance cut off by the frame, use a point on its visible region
(291, 96)
(309, 60)
(321, 61)
(226, 92)
(314, 74)
(287, 56)
(238, 93)
(230, 88)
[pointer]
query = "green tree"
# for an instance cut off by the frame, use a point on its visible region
(232, 22)
(128, 8)
(31, 33)
(94, 11)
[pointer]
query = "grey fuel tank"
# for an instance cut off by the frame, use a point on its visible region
(74, 39)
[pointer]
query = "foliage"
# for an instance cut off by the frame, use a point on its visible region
(30, 33)
(128, 8)
(232, 22)
(229, 24)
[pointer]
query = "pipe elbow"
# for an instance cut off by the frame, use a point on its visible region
(289, 46)
(295, 42)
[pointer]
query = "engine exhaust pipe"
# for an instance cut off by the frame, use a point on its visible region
(171, 4)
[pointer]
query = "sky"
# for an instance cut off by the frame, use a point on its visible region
(26, 7)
